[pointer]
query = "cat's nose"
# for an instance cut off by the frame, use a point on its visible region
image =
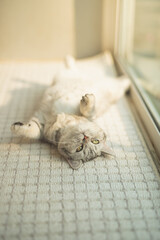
(85, 137)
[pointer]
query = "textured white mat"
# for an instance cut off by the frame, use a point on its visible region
(41, 197)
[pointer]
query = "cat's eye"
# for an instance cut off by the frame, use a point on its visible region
(95, 141)
(78, 149)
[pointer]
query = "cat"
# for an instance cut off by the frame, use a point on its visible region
(66, 115)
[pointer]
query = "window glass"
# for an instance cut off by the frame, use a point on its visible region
(145, 57)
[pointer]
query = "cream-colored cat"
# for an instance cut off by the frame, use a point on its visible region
(66, 114)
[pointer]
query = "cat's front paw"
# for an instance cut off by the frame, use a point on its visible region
(20, 128)
(88, 99)
(87, 105)
(30, 130)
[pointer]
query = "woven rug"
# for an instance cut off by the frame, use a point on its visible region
(42, 198)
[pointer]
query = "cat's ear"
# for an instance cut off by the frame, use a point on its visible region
(107, 150)
(75, 164)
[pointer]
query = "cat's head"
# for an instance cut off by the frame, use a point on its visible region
(82, 143)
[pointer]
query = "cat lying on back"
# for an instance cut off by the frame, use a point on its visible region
(66, 114)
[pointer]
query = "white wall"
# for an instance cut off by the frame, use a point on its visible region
(36, 29)
(50, 29)
(108, 24)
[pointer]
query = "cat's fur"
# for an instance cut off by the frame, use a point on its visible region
(67, 111)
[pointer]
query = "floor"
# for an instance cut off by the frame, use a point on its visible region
(42, 198)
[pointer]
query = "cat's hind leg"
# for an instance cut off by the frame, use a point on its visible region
(33, 129)
(87, 106)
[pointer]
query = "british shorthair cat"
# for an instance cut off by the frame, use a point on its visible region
(66, 114)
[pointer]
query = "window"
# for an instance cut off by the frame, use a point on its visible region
(137, 47)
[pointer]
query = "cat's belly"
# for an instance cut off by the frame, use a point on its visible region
(65, 97)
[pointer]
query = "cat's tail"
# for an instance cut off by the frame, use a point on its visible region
(69, 62)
